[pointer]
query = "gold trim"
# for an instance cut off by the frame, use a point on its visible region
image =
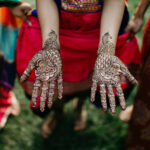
(80, 8)
(81, 2)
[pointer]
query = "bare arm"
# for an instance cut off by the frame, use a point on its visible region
(111, 18)
(136, 21)
(48, 18)
(142, 7)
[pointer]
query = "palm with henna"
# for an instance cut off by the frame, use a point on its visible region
(107, 71)
(48, 68)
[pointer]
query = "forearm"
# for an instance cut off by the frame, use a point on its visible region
(111, 19)
(48, 18)
(142, 7)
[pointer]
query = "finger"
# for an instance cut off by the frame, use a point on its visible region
(24, 18)
(35, 91)
(93, 90)
(27, 10)
(121, 96)
(127, 29)
(28, 22)
(103, 96)
(111, 97)
(60, 86)
(43, 96)
(28, 71)
(126, 73)
(131, 35)
(51, 93)
(131, 78)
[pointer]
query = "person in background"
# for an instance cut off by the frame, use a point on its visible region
(138, 137)
(11, 15)
(133, 27)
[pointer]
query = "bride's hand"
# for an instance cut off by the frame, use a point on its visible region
(107, 71)
(48, 68)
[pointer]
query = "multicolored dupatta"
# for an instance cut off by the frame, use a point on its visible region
(9, 28)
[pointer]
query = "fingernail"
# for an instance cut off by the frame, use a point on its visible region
(30, 24)
(123, 107)
(21, 80)
(50, 105)
(105, 110)
(34, 103)
(42, 109)
(92, 100)
(136, 82)
(60, 97)
(113, 112)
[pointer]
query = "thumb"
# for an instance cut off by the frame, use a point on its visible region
(131, 35)
(28, 71)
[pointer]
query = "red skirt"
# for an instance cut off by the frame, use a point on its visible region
(79, 38)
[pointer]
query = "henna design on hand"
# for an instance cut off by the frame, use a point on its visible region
(48, 68)
(107, 71)
(106, 46)
(51, 42)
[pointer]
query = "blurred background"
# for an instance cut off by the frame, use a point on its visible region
(103, 132)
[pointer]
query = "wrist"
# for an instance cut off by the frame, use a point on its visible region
(106, 45)
(140, 10)
(51, 42)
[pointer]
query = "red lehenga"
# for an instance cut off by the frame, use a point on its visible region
(79, 38)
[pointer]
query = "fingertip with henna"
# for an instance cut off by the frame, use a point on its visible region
(113, 112)
(33, 101)
(135, 82)
(105, 110)
(42, 109)
(50, 104)
(60, 97)
(92, 100)
(123, 107)
(22, 78)
(29, 23)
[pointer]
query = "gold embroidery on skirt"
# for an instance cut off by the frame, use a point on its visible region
(81, 5)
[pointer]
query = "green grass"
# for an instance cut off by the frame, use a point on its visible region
(103, 132)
